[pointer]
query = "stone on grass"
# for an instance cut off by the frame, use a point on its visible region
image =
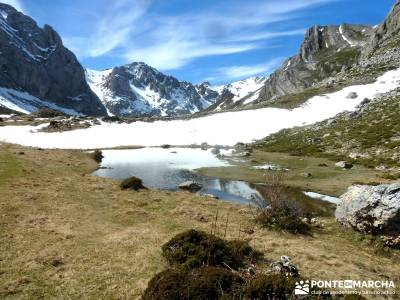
(132, 183)
(344, 165)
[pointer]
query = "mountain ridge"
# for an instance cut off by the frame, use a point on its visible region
(329, 57)
(35, 61)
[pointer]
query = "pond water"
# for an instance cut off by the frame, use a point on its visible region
(167, 168)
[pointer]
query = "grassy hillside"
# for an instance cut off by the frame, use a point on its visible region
(370, 136)
(67, 234)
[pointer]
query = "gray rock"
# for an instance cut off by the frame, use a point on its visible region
(204, 146)
(34, 60)
(215, 151)
(309, 68)
(371, 209)
(344, 165)
(352, 95)
(384, 32)
(191, 186)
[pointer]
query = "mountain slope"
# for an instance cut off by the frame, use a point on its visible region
(326, 51)
(34, 61)
(238, 93)
(370, 135)
(138, 89)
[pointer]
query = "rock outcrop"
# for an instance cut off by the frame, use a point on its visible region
(371, 209)
(326, 50)
(385, 37)
(34, 60)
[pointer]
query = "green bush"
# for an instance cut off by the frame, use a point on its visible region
(282, 215)
(203, 283)
(270, 286)
(192, 249)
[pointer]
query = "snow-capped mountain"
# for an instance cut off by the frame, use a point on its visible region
(238, 93)
(137, 89)
(36, 70)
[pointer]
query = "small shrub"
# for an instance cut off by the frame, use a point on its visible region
(270, 286)
(202, 283)
(192, 249)
(282, 215)
(98, 156)
(133, 183)
(274, 212)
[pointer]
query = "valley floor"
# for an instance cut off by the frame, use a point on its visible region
(67, 234)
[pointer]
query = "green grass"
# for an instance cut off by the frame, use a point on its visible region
(374, 134)
(108, 241)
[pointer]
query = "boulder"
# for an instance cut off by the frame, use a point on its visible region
(215, 151)
(204, 146)
(133, 183)
(190, 186)
(344, 165)
(371, 209)
(352, 95)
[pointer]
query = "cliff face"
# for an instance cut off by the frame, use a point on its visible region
(326, 50)
(34, 60)
(384, 45)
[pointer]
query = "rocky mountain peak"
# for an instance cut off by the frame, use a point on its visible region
(138, 89)
(35, 61)
(332, 37)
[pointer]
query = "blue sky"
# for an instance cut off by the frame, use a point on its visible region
(196, 40)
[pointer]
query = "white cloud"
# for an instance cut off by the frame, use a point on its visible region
(114, 29)
(230, 73)
(130, 29)
(173, 54)
(15, 3)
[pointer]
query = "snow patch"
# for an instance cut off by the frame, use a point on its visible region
(26, 103)
(344, 37)
(330, 199)
(226, 128)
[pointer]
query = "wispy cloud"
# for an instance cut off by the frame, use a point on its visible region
(130, 29)
(243, 71)
(114, 29)
(15, 3)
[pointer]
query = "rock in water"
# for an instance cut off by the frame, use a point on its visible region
(190, 186)
(371, 209)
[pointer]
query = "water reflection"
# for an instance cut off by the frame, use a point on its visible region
(167, 168)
